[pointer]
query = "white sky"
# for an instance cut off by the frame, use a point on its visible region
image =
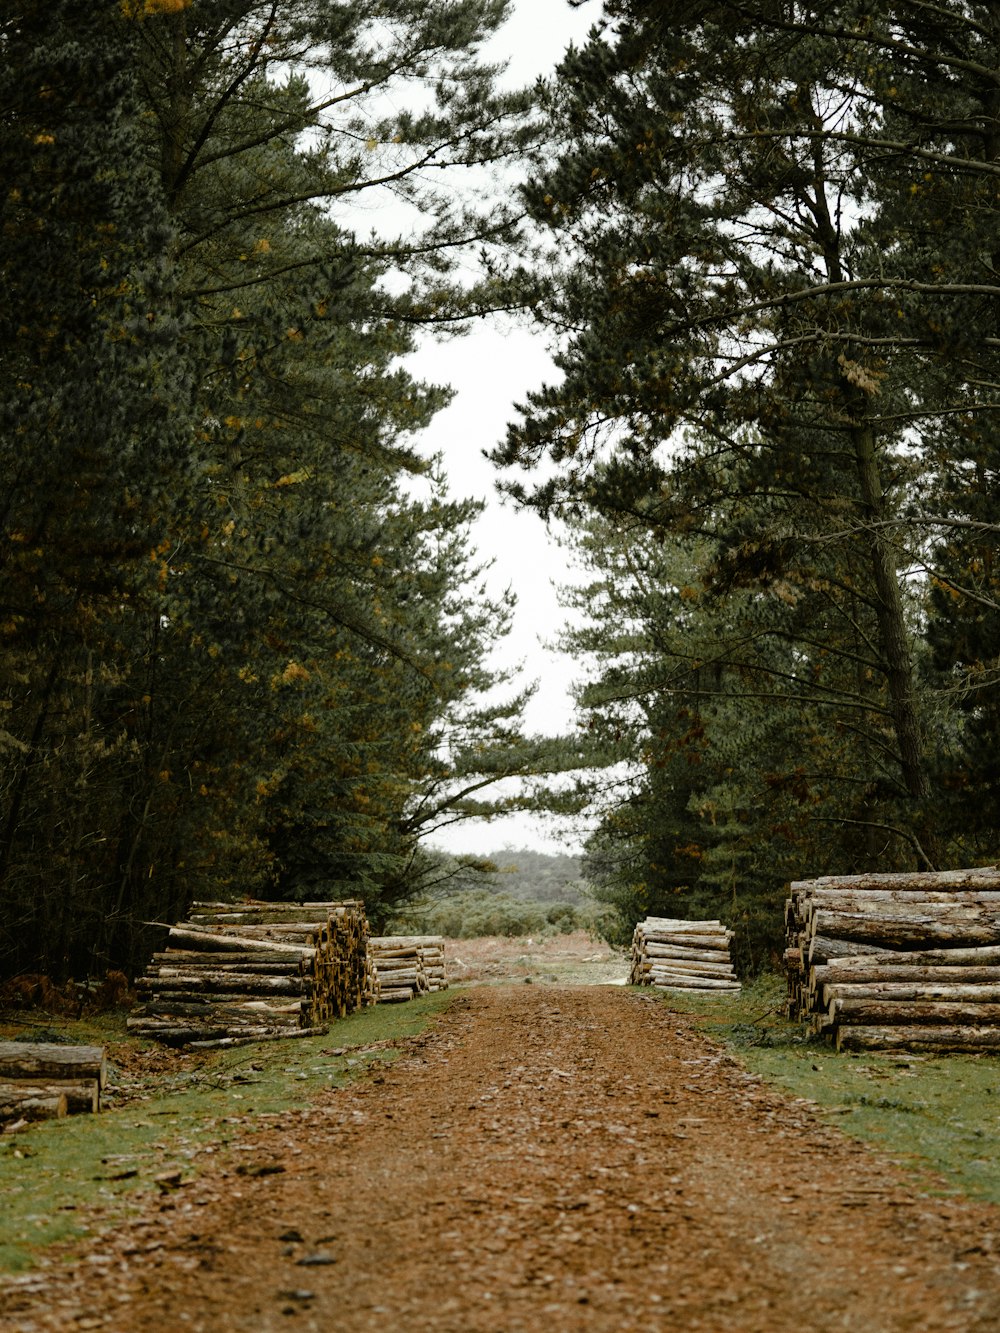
(492, 368)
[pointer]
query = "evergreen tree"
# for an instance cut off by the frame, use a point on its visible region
(95, 402)
(757, 337)
(239, 655)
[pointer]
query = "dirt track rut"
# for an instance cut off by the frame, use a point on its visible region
(562, 1159)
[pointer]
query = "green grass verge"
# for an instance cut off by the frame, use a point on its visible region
(931, 1113)
(63, 1179)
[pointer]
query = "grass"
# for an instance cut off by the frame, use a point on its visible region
(937, 1115)
(61, 1179)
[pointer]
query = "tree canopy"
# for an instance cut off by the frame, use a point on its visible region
(773, 294)
(244, 630)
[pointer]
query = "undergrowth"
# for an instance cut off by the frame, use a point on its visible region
(938, 1115)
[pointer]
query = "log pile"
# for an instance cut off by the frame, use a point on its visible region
(42, 1080)
(255, 971)
(897, 961)
(404, 966)
(690, 956)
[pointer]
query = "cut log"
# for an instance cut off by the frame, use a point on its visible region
(912, 930)
(184, 938)
(265, 964)
(685, 981)
(981, 877)
(284, 1034)
(875, 972)
(885, 1012)
(916, 1037)
(683, 965)
(857, 900)
(984, 956)
(82, 1097)
(27, 1102)
(909, 990)
(213, 981)
(50, 1062)
(821, 948)
(696, 955)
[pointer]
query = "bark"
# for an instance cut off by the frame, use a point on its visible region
(909, 930)
(888, 1012)
(686, 981)
(982, 877)
(824, 947)
(974, 992)
(212, 982)
(908, 1037)
(935, 975)
(694, 955)
(32, 1103)
(81, 1097)
(53, 1063)
(200, 940)
(982, 956)
(880, 900)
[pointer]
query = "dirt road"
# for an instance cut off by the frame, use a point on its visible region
(561, 1159)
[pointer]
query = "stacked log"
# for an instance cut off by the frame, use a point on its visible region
(897, 962)
(689, 956)
(404, 966)
(42, 1080)
(255, 971)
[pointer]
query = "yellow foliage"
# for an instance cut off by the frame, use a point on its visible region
(140, 9)
(293, 672)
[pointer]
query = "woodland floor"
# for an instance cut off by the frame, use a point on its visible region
(554, 1157)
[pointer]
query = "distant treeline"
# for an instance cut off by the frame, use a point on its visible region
(541, 877)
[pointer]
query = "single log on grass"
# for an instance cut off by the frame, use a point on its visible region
(81, 1097)
(51, 1062)
(32, 1102)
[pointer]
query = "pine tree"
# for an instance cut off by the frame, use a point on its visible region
(752, 337)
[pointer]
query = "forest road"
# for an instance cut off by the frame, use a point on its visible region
(564, 1159)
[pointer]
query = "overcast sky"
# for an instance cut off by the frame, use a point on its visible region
(491, 369)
